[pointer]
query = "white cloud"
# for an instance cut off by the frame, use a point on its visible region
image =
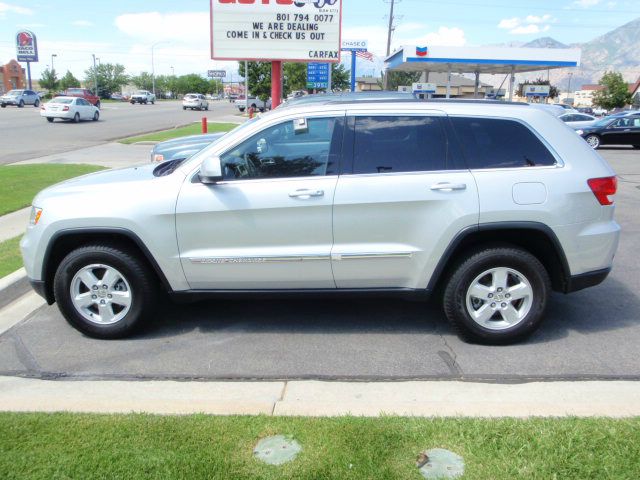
(525, 29)
(8, 8)
(82, 23)
(585, 3)
(529, 25)
(509, 23)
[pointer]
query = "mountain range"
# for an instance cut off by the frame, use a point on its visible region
(617, 50)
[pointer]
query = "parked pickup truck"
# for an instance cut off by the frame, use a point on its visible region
(83, 93)
(254, 102)
(143, 96)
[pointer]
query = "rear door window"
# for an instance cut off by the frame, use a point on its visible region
(500, 143)
(393, 144)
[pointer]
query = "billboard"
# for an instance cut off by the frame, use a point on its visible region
(216, 73)
(354, 45)
(287, 30)
(26, 46)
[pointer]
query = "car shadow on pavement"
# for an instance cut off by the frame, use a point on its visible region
(607, 307)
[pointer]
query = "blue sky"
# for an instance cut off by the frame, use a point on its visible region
(124, 31)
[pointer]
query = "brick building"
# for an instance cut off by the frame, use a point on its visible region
(12, 76)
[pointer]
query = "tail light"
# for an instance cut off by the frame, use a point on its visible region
(65, 108)
(604, 188)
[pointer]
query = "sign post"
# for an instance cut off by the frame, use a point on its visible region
(354, 46)
(27, 50)
(276, 31)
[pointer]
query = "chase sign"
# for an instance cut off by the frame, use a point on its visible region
(26, 46)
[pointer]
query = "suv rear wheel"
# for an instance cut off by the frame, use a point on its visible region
(497, 296)
(104, 291)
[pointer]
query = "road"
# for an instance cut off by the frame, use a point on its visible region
(591, 334)
(31, 136)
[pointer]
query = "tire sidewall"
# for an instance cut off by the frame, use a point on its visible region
(455, 295)
(597, 139)
(81, 258)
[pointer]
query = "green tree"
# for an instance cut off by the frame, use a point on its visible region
(69, 81)
(295, 77)
(191, 83)
(49, 80)
(215, 86)
(553, 90)
(340, 77)
(259, 79)
(144, 81)
(400, 79)
(111, 77)
(615, 93)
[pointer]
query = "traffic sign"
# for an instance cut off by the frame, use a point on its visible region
(216, 73)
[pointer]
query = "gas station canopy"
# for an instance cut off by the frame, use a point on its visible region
(481, 59)
(477, 60)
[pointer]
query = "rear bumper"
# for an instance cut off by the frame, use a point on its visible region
(586, 280)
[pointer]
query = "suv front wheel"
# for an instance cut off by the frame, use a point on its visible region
(497, 296)
(104, 291)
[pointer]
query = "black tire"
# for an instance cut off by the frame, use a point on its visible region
(21, 104)
(96, 117)
(49, 119)
(469, 269)
(133, 102)
(153, 102)
(3, 105)
(593, 140)
(145, 102)
(76, 118)
(140, 279)
(637, 147)
(184, 108)
(206, 108)
(36, 103)
(98, 104)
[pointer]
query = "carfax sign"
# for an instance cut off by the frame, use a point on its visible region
(287, 30)
(26, 46)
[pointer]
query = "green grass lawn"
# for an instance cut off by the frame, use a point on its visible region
(20, 183)
(192, 129)
(78, 446)
(10, 259)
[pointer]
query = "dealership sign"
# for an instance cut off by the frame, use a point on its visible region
(216, 73)
(287, 30)
(354, 45)
(26, 46)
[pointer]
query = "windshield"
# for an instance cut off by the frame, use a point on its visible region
(14, 93)
(190, 96)
(65, 101)
(142, 92)
(75, 90)
(603, 122)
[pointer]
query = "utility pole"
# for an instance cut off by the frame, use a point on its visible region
(95, 74)
(389, 34)
(569, 87)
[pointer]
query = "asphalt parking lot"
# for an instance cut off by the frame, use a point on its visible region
(34, 137)
(591, 334)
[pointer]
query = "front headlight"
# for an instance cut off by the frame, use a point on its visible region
(36, 213)
(579, 132)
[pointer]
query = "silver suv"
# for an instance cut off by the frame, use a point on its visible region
(491, 206)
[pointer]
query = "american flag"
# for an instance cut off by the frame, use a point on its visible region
(365, 55)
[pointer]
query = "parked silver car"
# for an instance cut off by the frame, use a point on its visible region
(491, 205)
(20, 98)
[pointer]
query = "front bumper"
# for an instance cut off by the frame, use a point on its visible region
(9, 101)
(41, 289)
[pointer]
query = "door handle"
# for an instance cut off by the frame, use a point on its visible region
(448, 187)
(306, 193)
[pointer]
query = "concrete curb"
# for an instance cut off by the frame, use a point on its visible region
(13, 286)
(19, 309)
(314, 398)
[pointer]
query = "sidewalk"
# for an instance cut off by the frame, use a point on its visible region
(111, 155)
(316, 398)
(14, 223)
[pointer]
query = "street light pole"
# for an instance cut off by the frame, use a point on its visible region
(95, 74)
(569, 87)
(53, 55)
(153, 67)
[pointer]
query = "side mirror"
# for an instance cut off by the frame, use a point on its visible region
(211, 170)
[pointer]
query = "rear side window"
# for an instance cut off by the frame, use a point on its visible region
(497, 143)
(391, 144)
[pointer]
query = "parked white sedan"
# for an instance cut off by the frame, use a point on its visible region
(69, 108)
